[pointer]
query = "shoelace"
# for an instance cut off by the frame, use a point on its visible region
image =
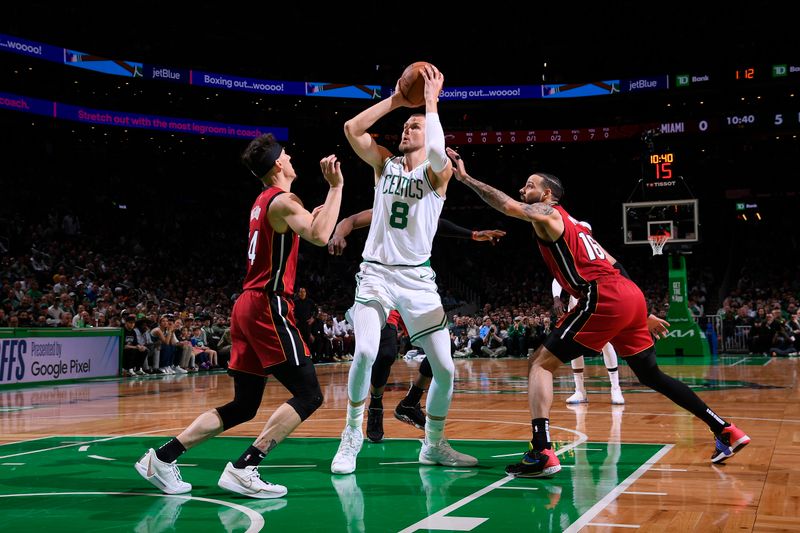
(446, 450)
(252, 474)
(176, 471)
(349, 442)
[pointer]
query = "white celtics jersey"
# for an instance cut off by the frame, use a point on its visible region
(405, 216)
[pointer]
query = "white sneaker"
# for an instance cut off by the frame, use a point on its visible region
(616, 396)
(578, 397)
(178, 370)
(344, 462)
(164, 476)
(441, 453)
(248, 482)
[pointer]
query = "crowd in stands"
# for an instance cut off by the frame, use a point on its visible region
(175, 305)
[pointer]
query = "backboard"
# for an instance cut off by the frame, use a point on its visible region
(678, 217)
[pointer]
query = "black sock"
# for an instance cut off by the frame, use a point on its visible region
(375, 402)
(715, 423)
(413, 396)
(648, 373)
(252, 457)
(170, 451)
(541, 434)
(681, 394)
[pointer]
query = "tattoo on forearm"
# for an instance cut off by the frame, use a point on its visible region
(488, 194)
(538, 209)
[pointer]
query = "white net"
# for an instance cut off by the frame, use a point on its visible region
(657, 243)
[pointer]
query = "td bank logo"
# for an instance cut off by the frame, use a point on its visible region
(682, 80)
(779, 71)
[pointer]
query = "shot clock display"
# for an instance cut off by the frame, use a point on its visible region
(659, 170)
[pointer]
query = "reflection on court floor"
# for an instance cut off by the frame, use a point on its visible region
(89, 484)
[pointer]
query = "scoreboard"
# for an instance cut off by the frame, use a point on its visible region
(776, 120)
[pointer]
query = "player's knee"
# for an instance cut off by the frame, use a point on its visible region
(305, 404)
(645, 367)
(236, 412)
(249, 390)
(363, 359)
(544, 358)
(425, 368)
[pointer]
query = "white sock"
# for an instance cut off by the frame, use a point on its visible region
(614, 377)
(577, 364)
(610, 359)
(578, 378)
(434, 430)
(355, 415)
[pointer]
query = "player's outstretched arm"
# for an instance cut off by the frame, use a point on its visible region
(539, 212)
(451, 229)
(345, 226)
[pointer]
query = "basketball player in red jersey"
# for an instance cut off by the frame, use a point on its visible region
(611, 308)
(263, 331)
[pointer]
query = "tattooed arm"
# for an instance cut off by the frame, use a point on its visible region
(538, 212)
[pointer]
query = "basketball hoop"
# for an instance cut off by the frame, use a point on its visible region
(657, 242)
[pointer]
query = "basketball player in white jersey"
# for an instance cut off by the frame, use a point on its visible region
(609, 353)
(396, 273)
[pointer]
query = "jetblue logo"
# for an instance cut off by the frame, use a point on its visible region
(637, 85)
(12, 359)
(165, 73)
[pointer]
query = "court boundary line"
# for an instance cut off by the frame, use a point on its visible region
(29, 440)
(614, 493)
(80, 443)
(442, 513)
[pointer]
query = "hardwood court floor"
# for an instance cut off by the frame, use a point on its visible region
(645, 464)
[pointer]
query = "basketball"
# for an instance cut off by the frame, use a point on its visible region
(412, 83)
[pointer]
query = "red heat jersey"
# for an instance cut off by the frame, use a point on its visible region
(271, 256)
(575, 258)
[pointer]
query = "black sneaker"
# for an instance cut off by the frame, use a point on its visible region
(410, 415)
(535, 464)
(375, 424)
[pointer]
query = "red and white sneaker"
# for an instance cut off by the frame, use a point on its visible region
(729, 441)
(535, 464)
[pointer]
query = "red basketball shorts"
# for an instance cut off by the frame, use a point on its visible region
(264, 334)
(613, 310)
